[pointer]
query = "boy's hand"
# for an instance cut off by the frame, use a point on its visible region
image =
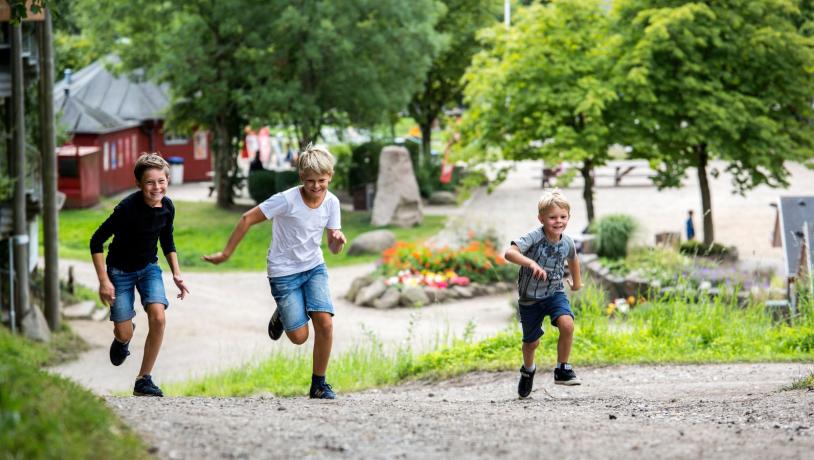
(216, 258)
(336, 241)
(537, 271)
(107, 293)
(180, 283)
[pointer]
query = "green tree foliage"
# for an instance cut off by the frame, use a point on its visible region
(299, 63)
(541, 90)
(442, 85)
(728, 80)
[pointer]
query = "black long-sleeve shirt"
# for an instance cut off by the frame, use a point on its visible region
(136, 229)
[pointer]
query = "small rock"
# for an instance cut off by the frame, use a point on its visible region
(414, 296)
(442, 197)
(463, 291)
(373, 242)
(389, 299)
(368, 294)
(612, 417)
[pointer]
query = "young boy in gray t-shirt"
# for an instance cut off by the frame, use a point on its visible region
(542, 255)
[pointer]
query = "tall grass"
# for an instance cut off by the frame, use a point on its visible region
(613, 234)
(670, 329)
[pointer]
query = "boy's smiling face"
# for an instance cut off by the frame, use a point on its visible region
(153, 186)
(554, 220)
(315, 185)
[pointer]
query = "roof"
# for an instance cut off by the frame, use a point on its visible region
(796, 216)
(97, 101)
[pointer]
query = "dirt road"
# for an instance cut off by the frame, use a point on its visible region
(708, 411)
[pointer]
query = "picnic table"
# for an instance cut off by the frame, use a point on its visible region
(618, 169)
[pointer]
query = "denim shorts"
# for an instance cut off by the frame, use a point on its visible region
(532, 314)
(150, 287)
(302, 293)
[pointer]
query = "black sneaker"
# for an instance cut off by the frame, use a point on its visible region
(275, 325)
(119, 351)
(526, 382)
(145, 387)
(322, 391)
(564, 375)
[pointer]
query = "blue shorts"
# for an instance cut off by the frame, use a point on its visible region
(532, 314)
(302, 293)
(150, 287)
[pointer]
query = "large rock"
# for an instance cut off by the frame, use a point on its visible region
(398, 201)
(414, 296)
(372, 242)
(367, 295)
(34, 325)
(442, 197)
(389, 299)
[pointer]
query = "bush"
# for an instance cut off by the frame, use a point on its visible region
(613, 234)
(364, 164)
(342, 155)
(698, 248)
(264, 183)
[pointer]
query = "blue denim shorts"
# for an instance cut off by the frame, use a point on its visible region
(150, 287)
(302, 293)
(532, 314)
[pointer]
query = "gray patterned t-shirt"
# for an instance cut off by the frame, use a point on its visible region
(550, 256)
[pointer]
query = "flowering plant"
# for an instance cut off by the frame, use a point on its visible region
(477, 261)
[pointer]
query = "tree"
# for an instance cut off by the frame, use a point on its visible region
(442, 84)
(727, 80)
(302, 64)
(541, 89)
(343, 62)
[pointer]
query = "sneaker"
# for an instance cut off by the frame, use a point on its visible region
(526, 382)
(145, 387)
(275, 325)
(564, 375)
(119, 351)
(322, 391)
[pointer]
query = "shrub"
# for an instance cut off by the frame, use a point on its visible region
(342, 155)
(264, 183)
(698, 248)
(364, 164)
(613, 234)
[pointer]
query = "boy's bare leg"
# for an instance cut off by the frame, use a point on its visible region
(528, 353)
(566, 326)
(298, 336)
(123, 331)
(323, 340)
(155, 316)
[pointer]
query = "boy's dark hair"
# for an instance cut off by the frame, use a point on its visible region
(150, 161)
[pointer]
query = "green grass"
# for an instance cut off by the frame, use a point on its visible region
(46, 416)
(202, 228)
(804, 383)
(666, 330)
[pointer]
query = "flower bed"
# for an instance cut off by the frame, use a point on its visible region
(416, 275)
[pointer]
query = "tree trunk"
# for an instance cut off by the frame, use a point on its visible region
(706, 199)
(18, 171)
(223, 164)
(426, 143)
(587, 171)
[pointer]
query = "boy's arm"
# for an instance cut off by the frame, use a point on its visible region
(514, 255)
(107, 292)
(249, 218)
(576, 278)
(172, 259)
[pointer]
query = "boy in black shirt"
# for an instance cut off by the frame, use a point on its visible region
(137, 224)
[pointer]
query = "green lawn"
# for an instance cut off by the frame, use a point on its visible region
(665, 330)
(202, 228)
(49, 417)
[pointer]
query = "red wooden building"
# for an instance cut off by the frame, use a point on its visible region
(122, 116)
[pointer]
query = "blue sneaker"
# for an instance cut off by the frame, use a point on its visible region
(322, 391)
(145, 387)
(119, 351)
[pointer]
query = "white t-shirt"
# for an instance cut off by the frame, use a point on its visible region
(297, 231)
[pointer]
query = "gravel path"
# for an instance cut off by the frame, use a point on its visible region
(706, 411)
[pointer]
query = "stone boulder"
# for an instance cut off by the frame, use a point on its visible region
(398, 201)
(372, 242)
(414, 296)
(368, 294)
(356, 285)
(34, 325)
(442, 197)
(389, 299)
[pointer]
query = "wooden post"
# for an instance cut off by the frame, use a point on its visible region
(18, 168)
(50, 216)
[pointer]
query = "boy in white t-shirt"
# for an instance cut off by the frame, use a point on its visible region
(296, 267)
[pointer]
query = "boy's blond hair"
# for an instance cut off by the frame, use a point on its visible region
(553, 198)
(150, 160)
(315, 159)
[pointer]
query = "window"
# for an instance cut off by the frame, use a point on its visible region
(68, 167)
(175, 139)
(106, 156)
